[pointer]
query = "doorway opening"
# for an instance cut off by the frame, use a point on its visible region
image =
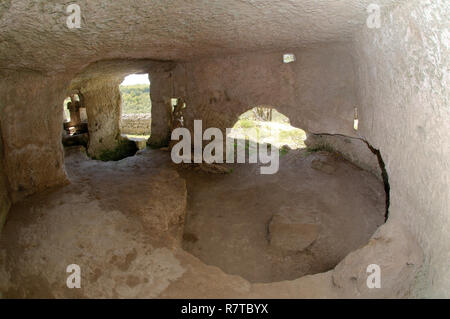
(75, 121)
(135, 122)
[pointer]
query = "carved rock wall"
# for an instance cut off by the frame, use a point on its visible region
(403, 84)
(31, 122)
(317, 91)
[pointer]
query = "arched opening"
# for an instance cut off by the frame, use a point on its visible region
(271, 126)
(114, 105)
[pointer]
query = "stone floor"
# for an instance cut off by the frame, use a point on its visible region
(144, 228)
(302, 220)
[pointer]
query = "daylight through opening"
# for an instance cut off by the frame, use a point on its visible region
(135, 121)
(271, 127)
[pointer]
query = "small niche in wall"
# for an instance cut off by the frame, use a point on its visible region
(288, 57)
(355, 120)
(173, 102)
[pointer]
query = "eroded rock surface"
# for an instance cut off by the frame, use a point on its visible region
(293, 231)
(396, 75)
(111, 221)
(277, 227)
(122, 222)
(398, 257)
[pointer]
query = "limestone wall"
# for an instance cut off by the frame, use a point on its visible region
(162, 80)
(5, 202)
(31, 128)
(353, 149)
(404, 98)
(138, 124)
(317, 91)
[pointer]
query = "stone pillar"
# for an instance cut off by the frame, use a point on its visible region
(102, 100)
(31, 128)
(161, 92)
(74, 109)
